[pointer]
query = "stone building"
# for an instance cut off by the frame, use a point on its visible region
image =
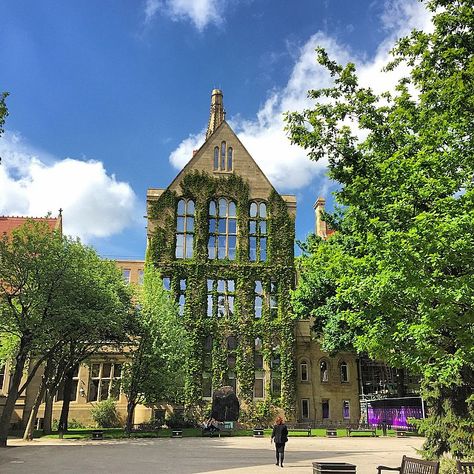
(223, 240)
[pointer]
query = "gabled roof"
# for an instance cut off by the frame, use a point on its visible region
(202, 158)
(9, 223)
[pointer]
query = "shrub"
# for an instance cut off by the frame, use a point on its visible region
(261, 414)
(105, 414)
(179, 420)
(448, 465)
(72, 425)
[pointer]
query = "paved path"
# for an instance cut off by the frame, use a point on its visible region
(238, 455)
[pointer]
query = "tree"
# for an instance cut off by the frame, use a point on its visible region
(399, 272)
(54, 291)
(155, 372)
(3, 110)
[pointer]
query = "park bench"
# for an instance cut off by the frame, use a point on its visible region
(403, 433)
(224, 428)
(299, 428)
(350, 431)
(146, 426)
(413, 466)
(465, 467)
(331, 432)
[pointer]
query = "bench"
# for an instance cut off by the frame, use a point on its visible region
(299, 428)
(465, 467)
(403, 433)
(225, 428)
(143, 427)
(350, 431)
(413, 466)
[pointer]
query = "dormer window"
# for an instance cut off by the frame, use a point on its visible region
(223, 157)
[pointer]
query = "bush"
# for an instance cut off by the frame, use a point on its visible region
(448, 465)
(71, 425)
(105, 414)
(179, 420)
(261, 414)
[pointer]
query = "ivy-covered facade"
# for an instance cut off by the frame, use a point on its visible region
(223, 239)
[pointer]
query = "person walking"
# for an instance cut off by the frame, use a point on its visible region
(280, 436)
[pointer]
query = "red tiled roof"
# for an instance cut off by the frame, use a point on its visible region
(9, 223)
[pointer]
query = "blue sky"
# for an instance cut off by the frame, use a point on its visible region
(110, 98)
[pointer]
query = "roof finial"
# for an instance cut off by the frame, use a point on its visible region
(217, 115)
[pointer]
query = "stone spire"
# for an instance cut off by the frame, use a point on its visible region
(217, 114)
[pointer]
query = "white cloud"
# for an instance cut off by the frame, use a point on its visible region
(199, 12)
(184, 152)
(287, 166)
(34, 183)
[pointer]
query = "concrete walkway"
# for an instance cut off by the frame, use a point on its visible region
(238, 455)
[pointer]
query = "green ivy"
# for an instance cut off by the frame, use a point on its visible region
(275, 330)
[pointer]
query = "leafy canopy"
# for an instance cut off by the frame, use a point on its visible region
(155, 372)
(399, 272)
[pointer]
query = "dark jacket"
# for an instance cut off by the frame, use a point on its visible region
(280, 433)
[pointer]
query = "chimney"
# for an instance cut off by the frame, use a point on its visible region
(217, 114)
(321, 226)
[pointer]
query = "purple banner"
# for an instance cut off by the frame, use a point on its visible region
(394, 416)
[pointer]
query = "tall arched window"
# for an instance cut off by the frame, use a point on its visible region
(258, 354)
(222, 230)
(185, 228)
(230, 153)
(258, 302)
(223, 152)
(223, 157)
(259, 381)
(258, 232)
(324, 371)
(344, 369)
(304, 371)
(216, 158)
(231, 352)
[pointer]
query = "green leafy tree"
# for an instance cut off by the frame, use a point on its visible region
(399, 272)
(101, 304)
(155, 372)
(3, 110)
(105, 414)
(54, 291)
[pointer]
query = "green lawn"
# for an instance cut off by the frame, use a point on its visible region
(118, 433)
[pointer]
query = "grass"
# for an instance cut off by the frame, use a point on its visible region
(118, 433)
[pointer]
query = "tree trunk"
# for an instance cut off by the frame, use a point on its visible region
(48, 412)
(63, 419)
(30, 426)
(401, 392)
(130, 412)
(12, 396)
